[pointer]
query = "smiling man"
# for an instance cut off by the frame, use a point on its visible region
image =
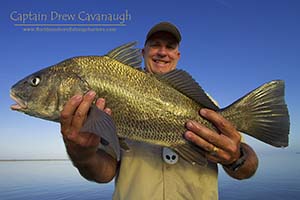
(150, 171)
(161, 53)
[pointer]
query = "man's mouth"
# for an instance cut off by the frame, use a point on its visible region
(161, 62)
(20, 104)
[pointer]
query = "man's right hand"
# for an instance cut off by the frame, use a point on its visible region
(93, 163)
(80, 145)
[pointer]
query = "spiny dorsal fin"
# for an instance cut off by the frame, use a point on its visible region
(127, 54)
(184, 83)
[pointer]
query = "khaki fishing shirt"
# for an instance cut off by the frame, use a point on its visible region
(143, 175)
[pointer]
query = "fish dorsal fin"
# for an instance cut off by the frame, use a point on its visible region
(127, 54)
(184, 83)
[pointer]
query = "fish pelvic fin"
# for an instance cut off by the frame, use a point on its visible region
(262, 114)
(101, 124)
(191, 153)
(127, 54)
(124, 145)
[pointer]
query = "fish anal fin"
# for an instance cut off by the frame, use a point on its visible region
(124, 145)
(191, 153)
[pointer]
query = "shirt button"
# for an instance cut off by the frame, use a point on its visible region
(169, 156)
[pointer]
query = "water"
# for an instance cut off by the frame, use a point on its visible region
(278, 178)
(45, 180)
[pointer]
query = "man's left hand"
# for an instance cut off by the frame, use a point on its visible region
(221, 145)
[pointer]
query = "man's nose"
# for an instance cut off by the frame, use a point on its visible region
(162, 51)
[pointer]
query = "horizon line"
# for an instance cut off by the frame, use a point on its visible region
(33, 159)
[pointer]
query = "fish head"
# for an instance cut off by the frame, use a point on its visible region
(44, 93)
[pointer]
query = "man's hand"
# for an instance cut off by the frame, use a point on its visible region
(222, 146)
(73, 115)
(93, 164)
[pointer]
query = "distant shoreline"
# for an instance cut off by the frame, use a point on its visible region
(22, 160)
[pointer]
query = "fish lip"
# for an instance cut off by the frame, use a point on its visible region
(20, 104)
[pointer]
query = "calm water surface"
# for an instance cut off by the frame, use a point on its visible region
(43, 180)
(278, 178)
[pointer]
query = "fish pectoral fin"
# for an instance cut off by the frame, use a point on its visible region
(191, 153)
(184, 83)
(101, 124)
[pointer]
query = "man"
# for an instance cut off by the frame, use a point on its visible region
(153, 172)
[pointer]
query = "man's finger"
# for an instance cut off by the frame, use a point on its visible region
(108, 111)
(100, 103)
(191, 136)
(223, 125)
(66, 115)
(208, 135)
(82, 110)
(213, 153)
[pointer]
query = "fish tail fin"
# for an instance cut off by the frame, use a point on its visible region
(262, 114)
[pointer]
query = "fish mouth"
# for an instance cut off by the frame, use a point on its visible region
(20, 104)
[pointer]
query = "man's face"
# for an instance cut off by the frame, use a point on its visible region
(161, 53)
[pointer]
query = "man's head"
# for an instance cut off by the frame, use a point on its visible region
(161, 50)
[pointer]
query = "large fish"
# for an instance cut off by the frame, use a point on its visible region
(147, 107)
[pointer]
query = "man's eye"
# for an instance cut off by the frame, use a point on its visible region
(171, 46)
(154, 45)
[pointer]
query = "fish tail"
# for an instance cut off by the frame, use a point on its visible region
(262, 114)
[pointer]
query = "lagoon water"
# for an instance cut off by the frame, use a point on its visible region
(278, 178)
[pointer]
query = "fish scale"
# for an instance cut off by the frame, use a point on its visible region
(135, 116)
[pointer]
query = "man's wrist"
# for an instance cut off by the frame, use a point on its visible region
(248, 166)
(239, 162)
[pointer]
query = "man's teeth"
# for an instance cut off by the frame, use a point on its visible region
(161, 62)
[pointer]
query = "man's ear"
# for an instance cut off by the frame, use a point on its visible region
(143, 51)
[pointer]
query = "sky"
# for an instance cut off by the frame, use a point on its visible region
(229, 46)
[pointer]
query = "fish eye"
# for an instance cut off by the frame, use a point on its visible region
(35, 81)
